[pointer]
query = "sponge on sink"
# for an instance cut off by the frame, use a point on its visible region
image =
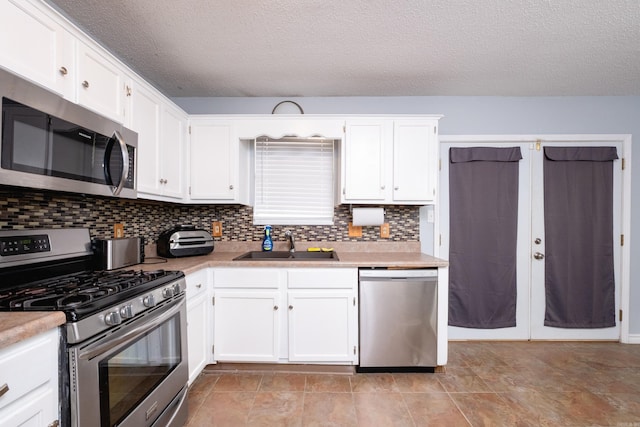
(319, 249)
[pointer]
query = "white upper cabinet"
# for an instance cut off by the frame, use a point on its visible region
(161, 129)
(415, 154)
(390, 161)
(213, 161)
(144, 119)
(36, 47)
(173, 132)
(365, 160)
(101, 84)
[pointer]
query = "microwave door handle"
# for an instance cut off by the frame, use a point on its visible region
(125, 163)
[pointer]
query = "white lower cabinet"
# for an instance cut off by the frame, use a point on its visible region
(29, 382)
(198, 321)
(321, 326)
(286, 315)
(247, 325)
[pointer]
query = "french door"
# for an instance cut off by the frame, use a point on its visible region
(530, 245)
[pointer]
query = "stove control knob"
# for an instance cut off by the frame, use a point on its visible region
(168, 292)
(176, 289)
(126, 311)
(149, 301)
(112, 318)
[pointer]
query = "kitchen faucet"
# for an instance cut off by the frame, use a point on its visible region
(292, 246)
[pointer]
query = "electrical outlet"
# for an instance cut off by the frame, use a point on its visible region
(118, 230)
(355, 230)
(216, 228)
(430, 215)
(384, 230)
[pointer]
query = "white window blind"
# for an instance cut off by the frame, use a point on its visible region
(294, 181)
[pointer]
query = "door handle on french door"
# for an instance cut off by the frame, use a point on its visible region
(538, 255)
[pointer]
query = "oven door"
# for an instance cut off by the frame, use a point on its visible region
(135, 376)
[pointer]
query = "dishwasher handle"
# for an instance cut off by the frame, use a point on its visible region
(428, 273)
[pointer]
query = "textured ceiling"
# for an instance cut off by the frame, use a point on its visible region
(285, 48)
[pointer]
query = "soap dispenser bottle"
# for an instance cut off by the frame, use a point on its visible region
(267, 243)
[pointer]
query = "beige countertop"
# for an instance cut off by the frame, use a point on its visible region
(346, 259)
(354, 255)
(17, 326)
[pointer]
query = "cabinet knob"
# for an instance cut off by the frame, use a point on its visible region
(275, 308)
(382, 187)
(231, 187)
(85, 84)
(199, 285)
(4, 388)
(290, 307)
(64, 71)
(128, 90)
(396, 188)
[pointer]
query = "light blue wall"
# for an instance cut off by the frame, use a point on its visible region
(484, 115)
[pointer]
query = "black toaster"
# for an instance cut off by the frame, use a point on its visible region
(184, 240)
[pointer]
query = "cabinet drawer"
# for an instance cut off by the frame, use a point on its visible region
(27, 365)
(322, 278)
(197, 283)
(268, 278)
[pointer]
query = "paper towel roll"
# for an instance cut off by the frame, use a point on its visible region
(368, 216)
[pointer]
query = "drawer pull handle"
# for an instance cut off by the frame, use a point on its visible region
(4, 388)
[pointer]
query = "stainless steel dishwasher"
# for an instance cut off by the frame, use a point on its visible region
(398, 318)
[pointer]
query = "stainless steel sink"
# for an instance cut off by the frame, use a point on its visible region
(287, 256)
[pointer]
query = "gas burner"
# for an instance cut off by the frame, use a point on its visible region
(72, 301)
(81, 293)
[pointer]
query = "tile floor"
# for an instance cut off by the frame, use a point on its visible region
(485, 384)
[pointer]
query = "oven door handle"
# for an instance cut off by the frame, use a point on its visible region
(147, 325)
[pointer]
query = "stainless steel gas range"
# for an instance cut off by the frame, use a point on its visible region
(124, 351)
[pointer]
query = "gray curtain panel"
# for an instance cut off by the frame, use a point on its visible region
(483, 192)
(578, 221)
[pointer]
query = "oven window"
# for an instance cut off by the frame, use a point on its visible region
(129, 375)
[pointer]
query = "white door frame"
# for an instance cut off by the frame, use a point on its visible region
(625, 221)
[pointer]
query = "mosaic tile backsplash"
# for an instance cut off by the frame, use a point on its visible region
(20, 209)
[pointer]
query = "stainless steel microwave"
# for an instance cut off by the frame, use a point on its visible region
(50, 143)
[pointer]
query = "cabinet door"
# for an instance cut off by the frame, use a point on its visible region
(100, 83)
(197, 335)
(246, 326)
(172, 136)
(322, 326)
(213, 161)
(414, 161)
(365, 155)
(30, 371)
(36, 47)
(145, 120)
(36, 409)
